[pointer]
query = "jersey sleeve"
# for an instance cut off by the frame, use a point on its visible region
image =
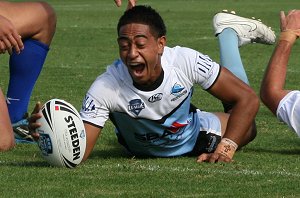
(199, 68)
(98, 101)
(288, 110)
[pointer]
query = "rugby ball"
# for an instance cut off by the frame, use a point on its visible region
(62, 139)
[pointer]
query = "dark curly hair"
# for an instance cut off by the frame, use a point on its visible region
(144, 15)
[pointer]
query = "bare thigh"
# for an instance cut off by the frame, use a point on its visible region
(35, 20)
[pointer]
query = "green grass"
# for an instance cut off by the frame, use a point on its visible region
(85, 42)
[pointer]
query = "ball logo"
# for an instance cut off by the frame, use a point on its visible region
(74, 137)
(45, 144)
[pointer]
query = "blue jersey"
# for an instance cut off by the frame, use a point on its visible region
(158, 122)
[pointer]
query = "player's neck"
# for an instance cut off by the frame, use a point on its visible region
(153, 85)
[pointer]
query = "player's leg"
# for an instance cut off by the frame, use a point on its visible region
(35, 22)
(234, 31)
(230, 55)
(7, 140)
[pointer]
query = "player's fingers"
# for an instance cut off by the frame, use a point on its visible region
(131, 4)
(2, 47)
(7, 44)
(291, 11)
(282, 21)
(223, 158)
(18, 40)
(118, 2)
(214, 158)
(203, 157)
(14, 44)
(32, 126)
(35, 135)
(32, 120)
(37, 108)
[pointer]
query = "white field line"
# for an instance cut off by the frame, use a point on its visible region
(219, 171)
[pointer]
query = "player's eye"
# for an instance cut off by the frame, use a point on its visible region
(123, 46)
(140, 45)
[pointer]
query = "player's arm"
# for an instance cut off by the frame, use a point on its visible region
(7, 140)
(272, 88)
(230, 89)
(92, 134)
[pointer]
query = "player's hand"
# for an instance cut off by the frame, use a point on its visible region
(291, 21)
(131, 3)
(33, 124)
(9, 37)
(213, 158)
(223, 153)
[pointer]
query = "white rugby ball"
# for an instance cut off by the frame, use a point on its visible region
(62, 138)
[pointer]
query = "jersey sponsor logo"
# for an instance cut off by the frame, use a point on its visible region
(178, 91)
(88, 104)
(176, 126)
(136, 106)
(89, 107)
(155, 97)
(167, 138)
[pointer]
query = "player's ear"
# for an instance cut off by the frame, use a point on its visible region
(161, 41)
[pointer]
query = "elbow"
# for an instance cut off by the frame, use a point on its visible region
(265, 94)
(271, 96)
(253, 102)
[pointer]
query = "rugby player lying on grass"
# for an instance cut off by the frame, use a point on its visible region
(147, 92)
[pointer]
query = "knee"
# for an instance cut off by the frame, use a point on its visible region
(51, 15)
(49, 22)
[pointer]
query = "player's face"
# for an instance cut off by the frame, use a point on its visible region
(141, 52)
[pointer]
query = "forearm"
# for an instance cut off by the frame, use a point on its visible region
(272, 88)
(239, 126)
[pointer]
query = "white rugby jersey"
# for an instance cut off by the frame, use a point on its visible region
(159, 122)
(288, 110)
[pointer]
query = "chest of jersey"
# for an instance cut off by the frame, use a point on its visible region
(154, 105)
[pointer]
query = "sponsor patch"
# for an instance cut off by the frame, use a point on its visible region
(136, 106)
(155, 97)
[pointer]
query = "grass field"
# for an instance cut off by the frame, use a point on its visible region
(85, 42)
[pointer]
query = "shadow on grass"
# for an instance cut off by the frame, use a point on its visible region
(26, 164)
(115, 152)
(277, 151)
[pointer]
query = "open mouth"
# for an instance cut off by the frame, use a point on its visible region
(137, 69)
